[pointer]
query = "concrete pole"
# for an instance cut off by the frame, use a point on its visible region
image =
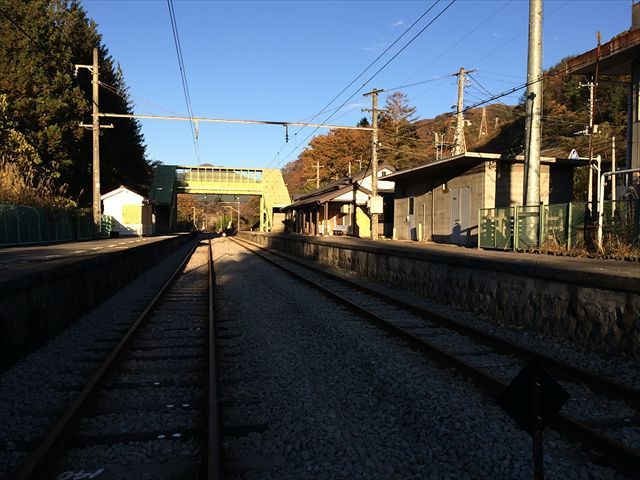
(317, 174)
(600, 200)
(613, 175)
(374, 161)
(374, 156)
(459, 146)
(97, 208)
(591, 113)
(533, 123)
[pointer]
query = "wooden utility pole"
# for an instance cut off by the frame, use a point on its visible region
(459, 144)
(95, 127)
(374, 158)
(533, 124)
(97, 207)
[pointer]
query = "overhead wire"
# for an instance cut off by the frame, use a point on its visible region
(522, 32)
(409, 85)
(380, 69)
(467, 35)
(183, 77)
(367, 69)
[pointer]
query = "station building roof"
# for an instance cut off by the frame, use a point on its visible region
(471, 159)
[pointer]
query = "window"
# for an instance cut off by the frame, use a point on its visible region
(411, 202)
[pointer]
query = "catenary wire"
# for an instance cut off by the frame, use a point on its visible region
(183, 77)
(379, 70)
(356, 79)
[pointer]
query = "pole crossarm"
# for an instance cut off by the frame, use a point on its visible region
(222, 120)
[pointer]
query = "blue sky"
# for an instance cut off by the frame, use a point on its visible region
(286, 60)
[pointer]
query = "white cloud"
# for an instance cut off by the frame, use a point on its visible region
(398, 23)
(376, 48)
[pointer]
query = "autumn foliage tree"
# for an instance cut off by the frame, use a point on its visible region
(342, 150)
(337, 152)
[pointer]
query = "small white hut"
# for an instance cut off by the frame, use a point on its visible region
(131, 213)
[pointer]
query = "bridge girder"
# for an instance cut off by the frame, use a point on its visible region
(169, 180)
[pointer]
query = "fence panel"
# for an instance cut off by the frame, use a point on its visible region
(22, 225)
(528, 225)
(621, 222)
(496, 228)
(556, 226)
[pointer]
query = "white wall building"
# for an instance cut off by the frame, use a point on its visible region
(131, 213)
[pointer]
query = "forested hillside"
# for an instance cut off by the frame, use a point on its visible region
(407, 142)
(44, 153)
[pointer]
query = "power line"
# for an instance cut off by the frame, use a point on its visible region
(532, 82)
(516, 35)
(183, 76)
(429, 80)
(469, 33)
(380, 69)
(372, 63)
(323, 109)
(15, 24)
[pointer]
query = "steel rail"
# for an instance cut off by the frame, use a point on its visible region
(42, 462)
(613, 452)
(213, 441)
(559, 367)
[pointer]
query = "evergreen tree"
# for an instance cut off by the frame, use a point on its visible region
(400, 142)
(41, 41)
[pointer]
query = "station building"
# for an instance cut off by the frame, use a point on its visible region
(441, 201)
(340, 207)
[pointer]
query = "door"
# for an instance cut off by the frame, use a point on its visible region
(460, 215)
(411, 219)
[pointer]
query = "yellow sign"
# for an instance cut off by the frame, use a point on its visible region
(131, 214)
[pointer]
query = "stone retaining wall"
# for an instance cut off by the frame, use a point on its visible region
(598, 311)
(35, 307)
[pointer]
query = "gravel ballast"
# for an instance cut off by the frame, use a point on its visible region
(32, 392)
(343, 400)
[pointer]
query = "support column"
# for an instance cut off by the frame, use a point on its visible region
(533, 126)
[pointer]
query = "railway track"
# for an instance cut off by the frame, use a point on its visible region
(601, 415)
(150, 409)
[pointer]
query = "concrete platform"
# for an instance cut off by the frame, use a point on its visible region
(592, 302)
(19, 262)
(44, 288)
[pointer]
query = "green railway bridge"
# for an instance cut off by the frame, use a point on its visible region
(170, 180)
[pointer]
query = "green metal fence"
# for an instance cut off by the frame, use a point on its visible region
(22, 225)
(564, 225)
(496, 228)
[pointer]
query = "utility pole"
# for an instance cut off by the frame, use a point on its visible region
(533, 125)
(613, 175)
(318, 174)
(459, 144)
(95, 127)
(374, 160)
(97, 207)
(439, 142)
